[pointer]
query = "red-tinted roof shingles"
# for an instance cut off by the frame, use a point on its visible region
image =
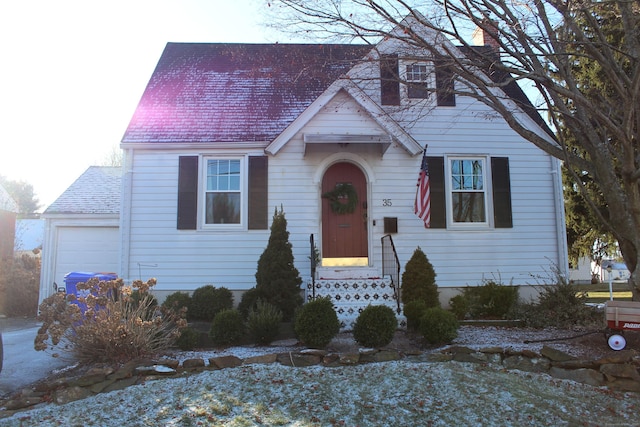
(203, 92)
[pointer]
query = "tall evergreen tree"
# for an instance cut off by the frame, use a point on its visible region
(277, 279)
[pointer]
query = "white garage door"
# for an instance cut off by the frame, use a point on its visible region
(90, 249)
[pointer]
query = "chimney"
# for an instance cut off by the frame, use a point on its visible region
(487, 35)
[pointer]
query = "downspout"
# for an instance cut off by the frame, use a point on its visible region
(561, 226)
(125, 214)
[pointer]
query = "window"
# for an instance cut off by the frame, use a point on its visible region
(468, 192)
(222, 194)
(223, 182)
(417, 79)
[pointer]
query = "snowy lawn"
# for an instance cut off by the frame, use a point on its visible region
(404, 393)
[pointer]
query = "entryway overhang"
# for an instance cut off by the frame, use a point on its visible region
(315, 143)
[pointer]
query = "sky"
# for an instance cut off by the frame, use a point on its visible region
(73, 72)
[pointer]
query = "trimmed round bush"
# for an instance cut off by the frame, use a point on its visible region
(375, 326)
(263, 322)
(459, 306)
(189, 339)
(413, 311)
(177, 301)
(316, 323)
(438, 325)
(227, 327)
(207, 301)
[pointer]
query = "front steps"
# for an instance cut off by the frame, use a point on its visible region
(352, 289)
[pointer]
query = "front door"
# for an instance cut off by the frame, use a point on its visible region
(344, 216)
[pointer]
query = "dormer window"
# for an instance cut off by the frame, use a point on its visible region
(417, 79)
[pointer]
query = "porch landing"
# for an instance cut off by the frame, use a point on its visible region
(352, 289)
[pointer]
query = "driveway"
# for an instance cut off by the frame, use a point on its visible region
(22, 364)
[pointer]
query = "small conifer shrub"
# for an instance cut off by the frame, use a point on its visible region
(227, 328)
(438, 326)
(419, 281)
(248, 301)
(316, 323)
(207, 301)
(277, 279)
(375, 326)
(263, 322)
(413, 311)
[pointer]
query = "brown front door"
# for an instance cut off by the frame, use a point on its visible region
(344, 235)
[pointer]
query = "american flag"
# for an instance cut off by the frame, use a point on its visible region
(422, 205)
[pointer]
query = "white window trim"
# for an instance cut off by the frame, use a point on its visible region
(488, 193)
(430, 82)
(202, 193)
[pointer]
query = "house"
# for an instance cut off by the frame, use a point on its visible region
(81, 228)
(8, 214)
(29, 236)
(226, 133)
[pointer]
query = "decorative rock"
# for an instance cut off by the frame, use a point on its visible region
(349, 358)
(298, 360)
(457, 349)
(171, 363)
(380, 356)
(526, 364)
(620, 370)
(224, 362)
(577, 364)
(101, 386)
(21, 402)
(475, 357)
(439, 357)
(623, 356)
(314, 352)
(87, 380)
(193, 363)
(555, 355)
(71, 394)
(261, 360)
(585, 376)
(624, 385)
(331, 360)
(492, 350)
(121, 385)
(155, 370)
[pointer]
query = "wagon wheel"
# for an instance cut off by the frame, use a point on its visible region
(617, 342)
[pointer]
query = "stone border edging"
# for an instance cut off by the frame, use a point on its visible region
(618, 371)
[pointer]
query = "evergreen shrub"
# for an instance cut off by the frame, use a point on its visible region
(491, 300)
(459, 306)
(419, 281)
(277, 279)
(248, 301)
(375, 326)
(227, 327)
(316, 323)
(413, 311)
(438, 326)
(177, 301)
(189, 339)
(207, 301)
(263, 322)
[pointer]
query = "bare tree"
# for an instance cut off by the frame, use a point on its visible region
(544, 44)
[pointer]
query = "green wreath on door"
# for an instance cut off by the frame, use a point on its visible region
(343, 199)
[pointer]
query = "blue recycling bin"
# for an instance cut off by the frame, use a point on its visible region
(72, 279)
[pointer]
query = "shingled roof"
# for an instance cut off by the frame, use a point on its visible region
(211, 92)
(96, 191)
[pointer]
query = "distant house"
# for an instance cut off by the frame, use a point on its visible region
(226, 133)
(29, 236)
(81, 230)
(8, 214)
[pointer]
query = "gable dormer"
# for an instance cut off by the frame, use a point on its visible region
(404, 80)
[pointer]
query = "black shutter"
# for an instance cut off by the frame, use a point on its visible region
(389, 80)
(258, 192)
(445, 94)
(502, 215)
(438, 201)
(187, 192)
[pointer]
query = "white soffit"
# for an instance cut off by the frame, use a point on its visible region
(315, 141)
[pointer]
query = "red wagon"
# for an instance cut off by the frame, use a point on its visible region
(621, 316)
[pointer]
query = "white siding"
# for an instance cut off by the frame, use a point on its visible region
(185, 260)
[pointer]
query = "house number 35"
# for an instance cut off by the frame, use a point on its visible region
(387, 202)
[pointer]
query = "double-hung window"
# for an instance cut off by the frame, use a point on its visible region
(468, 190)
(417, 78)
(223, 194)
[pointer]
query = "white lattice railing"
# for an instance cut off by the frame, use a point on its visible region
(351, 296)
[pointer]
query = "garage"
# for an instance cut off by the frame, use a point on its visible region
(82, 228)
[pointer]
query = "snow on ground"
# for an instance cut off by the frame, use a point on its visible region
(402, 393)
